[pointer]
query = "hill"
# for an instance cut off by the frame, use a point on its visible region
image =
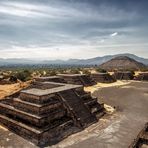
(103, 59)
(122, 63)
(91, 61)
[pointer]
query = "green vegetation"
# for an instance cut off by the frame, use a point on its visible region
(51, 72)
(28, 73)
(86, 71)
(75, 71)
(144, 69)
(23, 75)
(100, 70)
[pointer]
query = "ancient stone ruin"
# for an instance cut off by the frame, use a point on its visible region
(50, 79)
(79, 79)
(123, 75)
(142, 139)
(143, 76)
(47, 112)
(102, 77)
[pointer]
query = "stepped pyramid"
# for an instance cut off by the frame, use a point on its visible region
(47, 112)
(102, 77)
(122, 63)
(79, 79)
(50, 79)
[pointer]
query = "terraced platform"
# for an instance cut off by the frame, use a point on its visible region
(102, 77)
(78, 79)
(123, 75)
(48, 112)
(50, 79)
(143, 76)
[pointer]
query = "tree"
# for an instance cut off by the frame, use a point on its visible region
(23, 75)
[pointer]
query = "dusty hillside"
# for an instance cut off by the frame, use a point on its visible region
(6, 90)
(122, 62)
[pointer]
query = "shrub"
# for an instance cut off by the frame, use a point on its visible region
(23, 75)
(52, 73)
(85, 71)
(75, 71)
(13, 79)
(101, 70)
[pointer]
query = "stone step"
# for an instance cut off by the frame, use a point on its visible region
(78, 108)
(37, 99)
(20, 129)
(144, 136)
(84, 96)
(89, 100)
(30, 118)
(38, 136)
(38, 109)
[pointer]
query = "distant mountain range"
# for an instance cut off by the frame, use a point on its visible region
(91, 61)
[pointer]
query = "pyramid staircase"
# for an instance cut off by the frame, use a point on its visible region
(48, 113)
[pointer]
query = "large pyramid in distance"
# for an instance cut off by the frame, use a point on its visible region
(122, 63)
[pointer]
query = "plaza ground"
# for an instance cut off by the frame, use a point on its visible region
(112, 131)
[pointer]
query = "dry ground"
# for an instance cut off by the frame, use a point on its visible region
(6, 90)
(102, 85)
(112, 131)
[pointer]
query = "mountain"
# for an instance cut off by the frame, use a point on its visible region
(91, 61)
(100, 60)
(4, 62)
(122, 63)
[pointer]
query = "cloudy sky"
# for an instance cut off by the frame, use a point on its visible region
(63, 29)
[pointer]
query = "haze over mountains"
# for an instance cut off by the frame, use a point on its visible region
(91, 61)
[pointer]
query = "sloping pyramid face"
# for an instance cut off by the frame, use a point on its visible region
(102, 77)
(142, 139)
(47, 113)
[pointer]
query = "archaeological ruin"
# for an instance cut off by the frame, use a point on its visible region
(78, 79)
(123, 75)
(47, 112)
(142, 139)
(50, 79)
(102, 77)
(142, 76)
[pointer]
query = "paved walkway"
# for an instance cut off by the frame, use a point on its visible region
(131, 101)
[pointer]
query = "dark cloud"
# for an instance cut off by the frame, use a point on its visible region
(80, 25)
